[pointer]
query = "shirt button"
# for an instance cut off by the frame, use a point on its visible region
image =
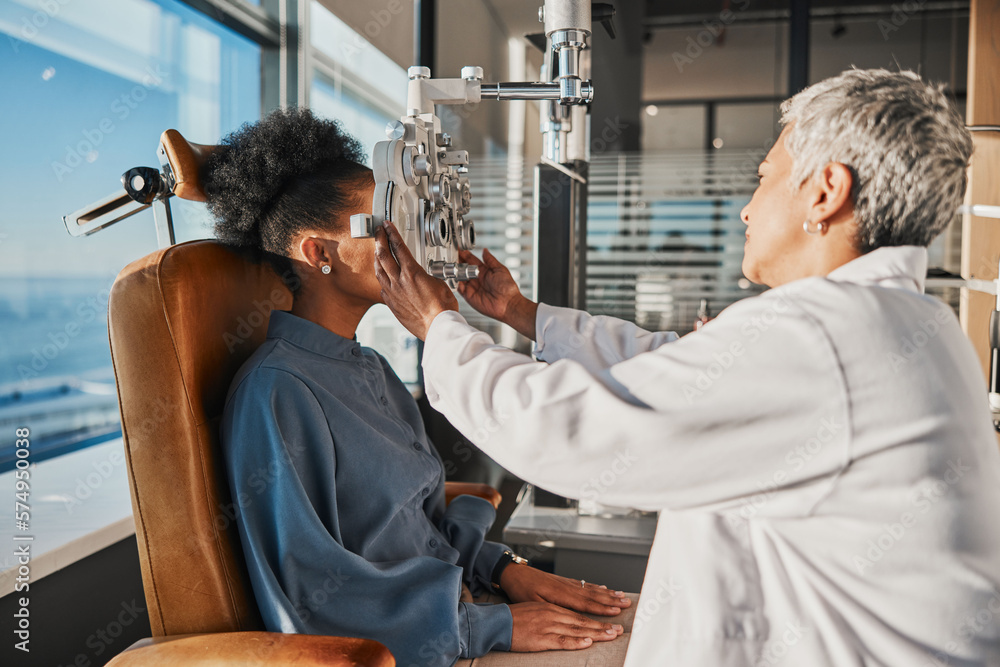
(426, 492)
(417, 446)
(433, 544)
(385, 401)
(356, 352)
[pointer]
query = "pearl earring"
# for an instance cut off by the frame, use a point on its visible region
(326, 269)
(820, 228)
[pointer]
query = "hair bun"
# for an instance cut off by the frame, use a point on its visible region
(255, 164)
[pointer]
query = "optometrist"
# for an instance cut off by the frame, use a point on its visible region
(821, 455)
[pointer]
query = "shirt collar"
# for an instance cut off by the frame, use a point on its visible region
(311, 336)
(902, 267)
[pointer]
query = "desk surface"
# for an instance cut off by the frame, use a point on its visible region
(565, 528)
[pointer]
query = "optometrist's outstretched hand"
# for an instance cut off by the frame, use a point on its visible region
(416, 298)
(494, 293)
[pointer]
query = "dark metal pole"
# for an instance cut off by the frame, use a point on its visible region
(561, 236)
(424, 33)
(424, 48)
(798, 46)
(710, 123)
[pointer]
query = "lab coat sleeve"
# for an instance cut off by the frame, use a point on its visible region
(282, 464)
(753, 402)
(596, 342)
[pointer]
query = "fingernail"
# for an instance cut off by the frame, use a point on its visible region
(619, 628)
(620, 594)
(611, 631)
(603, 586)
(587, 640)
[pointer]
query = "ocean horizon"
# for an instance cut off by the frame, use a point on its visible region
(54, 327)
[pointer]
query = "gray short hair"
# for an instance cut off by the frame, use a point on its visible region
(903, 140)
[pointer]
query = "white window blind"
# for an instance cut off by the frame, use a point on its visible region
(663, 231)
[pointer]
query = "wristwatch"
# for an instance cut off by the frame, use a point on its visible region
(506, 559)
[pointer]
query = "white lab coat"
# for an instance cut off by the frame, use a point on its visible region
(822, 457)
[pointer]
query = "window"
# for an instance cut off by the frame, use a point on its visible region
(88, 88)
(352, 80)
(357, 84)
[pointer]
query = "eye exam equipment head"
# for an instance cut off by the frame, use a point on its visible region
(421, 180)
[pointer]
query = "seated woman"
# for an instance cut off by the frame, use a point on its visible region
(341, 495)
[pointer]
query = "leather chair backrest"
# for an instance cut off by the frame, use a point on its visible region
(182, 321)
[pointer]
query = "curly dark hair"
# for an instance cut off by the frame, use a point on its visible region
(271, 179)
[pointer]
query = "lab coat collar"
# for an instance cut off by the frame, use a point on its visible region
(311, 336)
(901, 267)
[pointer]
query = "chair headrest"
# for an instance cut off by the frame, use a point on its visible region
(185, 160)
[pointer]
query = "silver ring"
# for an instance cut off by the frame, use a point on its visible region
(583, 584)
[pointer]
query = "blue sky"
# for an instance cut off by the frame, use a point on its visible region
(85, 97)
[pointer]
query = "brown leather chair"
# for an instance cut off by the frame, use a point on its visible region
(182, 321)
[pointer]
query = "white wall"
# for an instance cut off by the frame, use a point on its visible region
(751, 60)
(937, 47)
(746, 61)
(387, 24)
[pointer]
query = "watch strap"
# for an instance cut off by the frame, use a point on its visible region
(506, 558)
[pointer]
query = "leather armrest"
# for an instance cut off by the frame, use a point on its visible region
(454, 489)
(254, 649)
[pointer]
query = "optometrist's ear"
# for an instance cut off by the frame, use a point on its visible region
(317, 251)
(831, 194)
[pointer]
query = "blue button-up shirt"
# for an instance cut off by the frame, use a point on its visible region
(341, 503)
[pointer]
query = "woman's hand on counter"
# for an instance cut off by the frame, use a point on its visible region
(523, 583)
(540, 626)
